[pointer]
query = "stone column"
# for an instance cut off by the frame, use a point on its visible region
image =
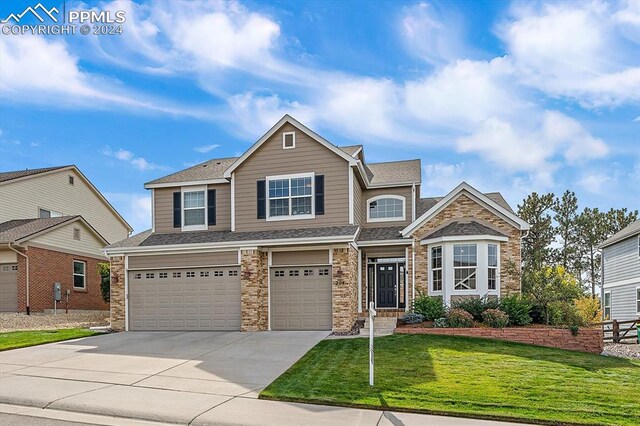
(344, 283)
(254, 290)
(117, 295)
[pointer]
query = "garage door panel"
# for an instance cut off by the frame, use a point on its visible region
(9, 287)
(192, 299)
(300, 298)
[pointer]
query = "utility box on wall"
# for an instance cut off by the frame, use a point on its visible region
(57, 292)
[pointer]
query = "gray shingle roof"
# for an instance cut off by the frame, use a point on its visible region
(5, 176)
(18, 229)
(351, 149)
(199, 237)
(629, 231)
(381, 234)
(212, 169)
(394, 172)
(459, 228)
(424, 204)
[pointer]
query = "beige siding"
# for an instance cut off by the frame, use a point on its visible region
(404, 191)
(163, 214)
(271, 160)
(359, 213)
(8, 256)
(183, 260)
(22, 199)
(62, 238)
(391, 251)
(304, 257)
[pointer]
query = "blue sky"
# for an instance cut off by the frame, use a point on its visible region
(512, 97)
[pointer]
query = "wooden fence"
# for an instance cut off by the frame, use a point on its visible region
(616, 331)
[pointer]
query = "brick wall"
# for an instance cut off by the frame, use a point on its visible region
(47, 267)
(587, 340)
(118, 316)
(344, 286)
(254, 291)
(465, 207)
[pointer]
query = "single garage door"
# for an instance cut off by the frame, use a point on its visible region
(185, 299)
(301, 298)
(9, 287)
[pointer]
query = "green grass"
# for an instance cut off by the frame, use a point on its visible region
(22, 339)
(467, 377)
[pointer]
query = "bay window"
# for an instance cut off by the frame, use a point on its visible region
(492, 266)
(290, 197)
(465, 261)
(436, 268)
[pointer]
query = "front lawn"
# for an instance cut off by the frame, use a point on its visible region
(467, 377)
(21, 339)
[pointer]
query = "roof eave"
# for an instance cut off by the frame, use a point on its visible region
(150, 185)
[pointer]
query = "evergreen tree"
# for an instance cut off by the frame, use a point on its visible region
(536, 250)
(570, 252)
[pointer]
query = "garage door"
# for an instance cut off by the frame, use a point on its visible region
(9, 287)
(301, 298)
(185, 299)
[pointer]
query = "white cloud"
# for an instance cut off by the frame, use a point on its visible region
(595, 183)
(129, 157)
(123, 155)
(205, 148)
(134, 207)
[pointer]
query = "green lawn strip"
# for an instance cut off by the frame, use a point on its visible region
(22, 339)
(467, 377)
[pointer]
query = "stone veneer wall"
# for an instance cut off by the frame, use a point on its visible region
(254, 290)
(464, 207)
(118, 316)
(344, 286)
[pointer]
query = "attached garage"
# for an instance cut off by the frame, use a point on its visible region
(9, 287)
(301, 298)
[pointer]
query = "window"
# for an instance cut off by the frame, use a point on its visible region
(492, 267)
(44, 213)
(323, 272)
(163, 275)
(137, 276)
(288, 140)
(177, 274)
(638, 300)
(294, 273)
(290, 197)
(233, 273)
(71, 180)
(191, 274)
(14, 267)
(464, 266)
(308, 272)
(436, 268)
(150, 275)
(638, 245)
(218, 273)
(79, 268)
(386, 208)
(193, 210)
(607, 305)
(279, 273)
(205, 274)
(76, 234)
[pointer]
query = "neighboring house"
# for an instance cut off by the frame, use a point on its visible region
(300, 234)
(621, 274)
(53, 226)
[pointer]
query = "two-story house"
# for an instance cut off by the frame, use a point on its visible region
(54, 224)
(300, 234)
(621, 274)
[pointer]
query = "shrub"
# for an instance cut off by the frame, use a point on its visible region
(476, 306)
(495, 318)
(459, 318)
(412, 318)
(105, 280)
(565, 314)
(440, 323)
(430, 307)
(588, 309)
(517, 308)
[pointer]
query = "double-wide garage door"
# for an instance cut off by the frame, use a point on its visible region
(9, 287)
(185, 299)
(301, 298)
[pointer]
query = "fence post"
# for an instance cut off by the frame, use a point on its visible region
(616, 331)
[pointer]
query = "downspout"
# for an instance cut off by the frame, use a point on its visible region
(413, 270)
(27, 274)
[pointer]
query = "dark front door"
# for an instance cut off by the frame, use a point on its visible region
(386, 286)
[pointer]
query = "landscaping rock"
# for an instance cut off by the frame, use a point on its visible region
(42, 321)
(622, 350)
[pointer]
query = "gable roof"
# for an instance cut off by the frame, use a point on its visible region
(474, 194)
(352, 150)
(16, 174)
(626, 232)
(394, 172)
(11, 176)
(211, 171)
(19, 230)
(424, 204)
(288, 119)
(464, 228)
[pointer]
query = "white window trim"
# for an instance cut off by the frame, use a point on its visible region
(604, 305)
(493, 267)
(52, 213)
(431, 269)
(476, 267)
(184, 190)
(84, 276)
(387, 219)
(284, 135)
(270, 218)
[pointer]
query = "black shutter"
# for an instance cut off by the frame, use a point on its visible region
(211, 207)
(262, 199)
(177, 211)
(319, 194)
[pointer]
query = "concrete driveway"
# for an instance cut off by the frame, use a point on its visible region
(162, 376)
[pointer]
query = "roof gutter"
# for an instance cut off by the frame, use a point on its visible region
(27, 274)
